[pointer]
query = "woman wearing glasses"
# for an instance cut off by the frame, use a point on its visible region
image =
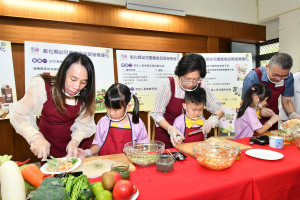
(170, 96)
(278, 77)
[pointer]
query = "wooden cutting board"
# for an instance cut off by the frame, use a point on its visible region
(120, 158)
(188, 147)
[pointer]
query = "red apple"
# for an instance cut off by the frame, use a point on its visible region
(117, 176)
(123, 190)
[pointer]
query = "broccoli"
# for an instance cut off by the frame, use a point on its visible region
(50, 189)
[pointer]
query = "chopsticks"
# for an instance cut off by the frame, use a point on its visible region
(53, 161)
(171, 155)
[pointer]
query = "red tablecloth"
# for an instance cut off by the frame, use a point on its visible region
(248, 178)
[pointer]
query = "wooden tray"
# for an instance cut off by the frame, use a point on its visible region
(188, 147)
(120, 158)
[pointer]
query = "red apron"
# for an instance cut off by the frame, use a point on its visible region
(192, 138)
(273, 100)
(115, 140)
(173, 110)
(56, 127)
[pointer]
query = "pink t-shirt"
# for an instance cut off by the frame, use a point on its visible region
(247, 124)
(139, 132)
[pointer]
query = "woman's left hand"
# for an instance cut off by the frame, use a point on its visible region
(72, 149)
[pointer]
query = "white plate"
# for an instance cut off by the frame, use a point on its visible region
(135, 196)
(264, 154)
(43, 168)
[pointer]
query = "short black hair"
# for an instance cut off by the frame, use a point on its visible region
(284, 60)
(197, 96)
(190, 63)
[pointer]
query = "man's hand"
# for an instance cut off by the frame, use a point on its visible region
(294, 115)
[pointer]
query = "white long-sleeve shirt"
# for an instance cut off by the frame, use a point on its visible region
(24, 112)
(295, 98)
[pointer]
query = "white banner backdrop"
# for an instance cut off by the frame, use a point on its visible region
(7, 79)
(43, 57)
(144, 71)
(225, 75)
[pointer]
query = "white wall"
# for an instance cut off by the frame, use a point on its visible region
(282, 18)
(269, 9)
(233, 10)
(289, 36)
(272, 29)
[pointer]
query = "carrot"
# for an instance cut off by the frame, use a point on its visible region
(33, 175)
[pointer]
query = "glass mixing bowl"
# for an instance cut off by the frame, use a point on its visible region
(215, 156)
(143, 154)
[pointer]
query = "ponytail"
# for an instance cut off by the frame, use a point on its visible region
(135, 113)
(261, 90)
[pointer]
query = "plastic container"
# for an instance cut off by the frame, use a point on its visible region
(276, 142)
(123, 169)
(165, 163)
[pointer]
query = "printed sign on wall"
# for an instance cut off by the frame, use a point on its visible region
(144, 71)
(7, 80)
(43, 57)
(225, 75)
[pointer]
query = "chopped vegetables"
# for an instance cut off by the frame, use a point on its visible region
(74, 160)
(143, 159)
(33, 175)
(217, 156)
(60, 165)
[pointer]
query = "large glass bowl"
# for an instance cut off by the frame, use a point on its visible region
(296, 137)
(215, 156)
(143, 154)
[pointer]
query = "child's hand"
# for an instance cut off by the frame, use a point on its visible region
(84, 153)
(273, 119)
(175, 135)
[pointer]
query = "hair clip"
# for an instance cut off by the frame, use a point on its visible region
(252, 88)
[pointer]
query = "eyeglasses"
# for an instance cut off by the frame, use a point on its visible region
(195, 81)
(281, 76)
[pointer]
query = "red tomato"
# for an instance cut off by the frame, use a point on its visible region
(123, 190)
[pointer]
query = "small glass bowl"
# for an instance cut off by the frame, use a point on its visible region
(165, 163)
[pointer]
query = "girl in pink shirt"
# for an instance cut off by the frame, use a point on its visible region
(118, 127)
(247, 122)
